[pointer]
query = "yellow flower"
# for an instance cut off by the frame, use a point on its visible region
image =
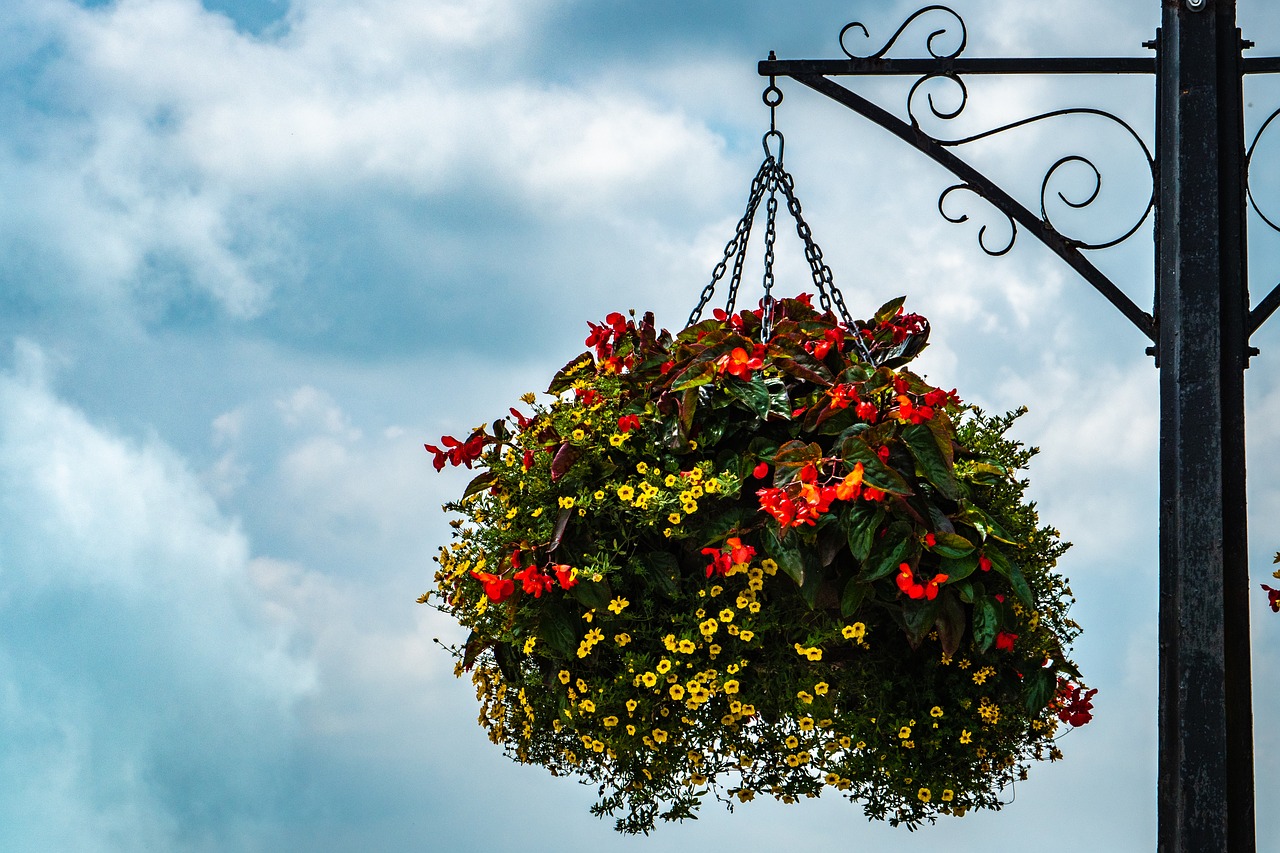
(793, 760)
(746, 636)
(587, 705)
(965, 737)
(631, 730)
(711, 486)
(631, 705)
(616, 439)
(671, 480)
(528, 397)
(649, 679)
(659, 736)
(904, 732)
(947, 795)
(713, 649)
(578, 435)
(716, 590)
(806, 724)
(726, 615)
(846, 742)
(805, 696)
(924, 795)
(642, 467)
(674, 518)
(626, 493)
(936, 711)
(677, 692)
(745, 795)
(770, 566)
(537, 512)
(792, 742)
(731, 686)
(529, 644)
(663, 667)
(598, 494)
(686, 646)
(821, 688)
(708, 627)
(618, 604)
(856, 631)
(564, 676)
(622, 639)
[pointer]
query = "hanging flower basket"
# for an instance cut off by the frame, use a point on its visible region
(760, 557)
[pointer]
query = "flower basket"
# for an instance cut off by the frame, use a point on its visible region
(760, 557)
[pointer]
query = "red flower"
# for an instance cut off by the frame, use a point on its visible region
(564, 574)
(457, 452)
(495, 587)
(843, 395)
(533, 581)
(851, 486)
(738, 363)
(984, 562)
(938, 397)
(1273, 597)
(867, 412)
(587, 396)
(930, 540)
(1075, 703)
(627, 423)
(521, 420)
(1005, 641)
(883, 454)
(914, 589)
(761, 471)
(777, 504)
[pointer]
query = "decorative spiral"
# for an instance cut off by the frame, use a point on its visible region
(929, 42)
(964, 217)
(1248, 161)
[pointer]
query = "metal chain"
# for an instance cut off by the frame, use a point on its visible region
(771, 177)
(736, 247)
(770, 235)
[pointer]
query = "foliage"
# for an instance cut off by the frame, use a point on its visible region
(736, 563)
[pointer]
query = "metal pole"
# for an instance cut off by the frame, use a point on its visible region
(1206, 743)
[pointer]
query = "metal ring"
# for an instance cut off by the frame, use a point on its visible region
(781, 144)
(772, 96)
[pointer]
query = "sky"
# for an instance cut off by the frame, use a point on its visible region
(255, 253)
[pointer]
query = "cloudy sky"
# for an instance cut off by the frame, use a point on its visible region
(253, 253)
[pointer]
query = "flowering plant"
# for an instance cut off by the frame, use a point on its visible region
(733, 561)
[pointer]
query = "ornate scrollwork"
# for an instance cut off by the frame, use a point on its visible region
(929, 42)
(982, 231)
(1248, 161)
(941, 96)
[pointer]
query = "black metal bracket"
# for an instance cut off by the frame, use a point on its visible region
(948, 66)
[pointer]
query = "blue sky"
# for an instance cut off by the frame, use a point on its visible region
(255, 252)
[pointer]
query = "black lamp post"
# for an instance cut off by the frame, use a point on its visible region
(1200, 326)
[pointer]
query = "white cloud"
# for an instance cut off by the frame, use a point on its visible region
(144, 691)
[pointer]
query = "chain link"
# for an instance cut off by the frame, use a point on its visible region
(737, 245)
(772, 177)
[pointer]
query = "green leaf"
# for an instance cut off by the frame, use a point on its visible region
(779, 396)
(950, 622)
(696, 374)
(888, 553)
(753, 395)
(889, 309)
(951, 545)
(983, 523)
(791, 459)
(811, 586)
(592, 594)
(920, 617)
(935, 464)
(1013, 574)
(1040, 688)
(855, 449)
(967, 593)
(788, 559)
(480, 483)
(476, 643)
(958, 568)
(556, 630)
(860, 524)
(855, 592)
(661, 569)
(557, 535)
(563, 380)
(986, 622)
(507, 662)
